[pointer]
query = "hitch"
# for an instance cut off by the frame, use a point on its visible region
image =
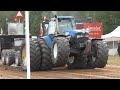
(88, 47)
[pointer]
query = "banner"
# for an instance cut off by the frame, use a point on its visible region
(96, 29)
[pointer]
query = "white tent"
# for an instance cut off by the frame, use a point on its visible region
(114, 36)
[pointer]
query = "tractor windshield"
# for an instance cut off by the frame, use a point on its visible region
(66, 24)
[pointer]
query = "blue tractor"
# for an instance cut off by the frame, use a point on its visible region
(63, 45)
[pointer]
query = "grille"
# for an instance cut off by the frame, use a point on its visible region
(80, 40)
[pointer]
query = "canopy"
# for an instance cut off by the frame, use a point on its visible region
(113, 36)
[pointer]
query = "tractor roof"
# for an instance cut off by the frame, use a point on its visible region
(65, 16)
(53, 19)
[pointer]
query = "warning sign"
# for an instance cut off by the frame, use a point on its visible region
(19, 15)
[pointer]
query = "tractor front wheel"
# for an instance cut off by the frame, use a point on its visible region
(60, 51)
(99, 56)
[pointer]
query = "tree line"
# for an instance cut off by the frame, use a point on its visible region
(110, 19)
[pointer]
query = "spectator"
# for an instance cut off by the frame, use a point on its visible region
(118, 48)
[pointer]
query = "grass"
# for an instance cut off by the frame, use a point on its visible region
(114, 60)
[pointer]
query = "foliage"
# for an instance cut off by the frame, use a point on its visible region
(35, 20)
(110, 19)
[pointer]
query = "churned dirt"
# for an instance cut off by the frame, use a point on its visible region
(109, 72)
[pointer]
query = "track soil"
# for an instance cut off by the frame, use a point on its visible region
(109, 72)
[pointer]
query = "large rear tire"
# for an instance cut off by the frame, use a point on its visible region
(17, 58)
(60, 51)
(10, 57)
(99, 56)
(1, 46)
(35, 56)
(3, 56)
(46, 61)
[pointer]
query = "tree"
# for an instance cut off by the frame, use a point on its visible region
(35, 20)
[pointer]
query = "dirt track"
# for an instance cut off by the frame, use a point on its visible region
(109, 72)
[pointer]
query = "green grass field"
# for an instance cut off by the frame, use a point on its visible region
(114, 60)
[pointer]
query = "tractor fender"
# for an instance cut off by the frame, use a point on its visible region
(48, 40)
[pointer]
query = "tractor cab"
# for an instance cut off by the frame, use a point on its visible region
(64, 23)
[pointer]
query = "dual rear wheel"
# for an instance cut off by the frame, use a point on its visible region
(42, 57)
(8, 56)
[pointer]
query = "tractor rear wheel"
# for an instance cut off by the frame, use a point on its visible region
(46, 61)
(60, 51)
(35, 56)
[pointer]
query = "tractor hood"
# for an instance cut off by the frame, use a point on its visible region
(75, 32)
